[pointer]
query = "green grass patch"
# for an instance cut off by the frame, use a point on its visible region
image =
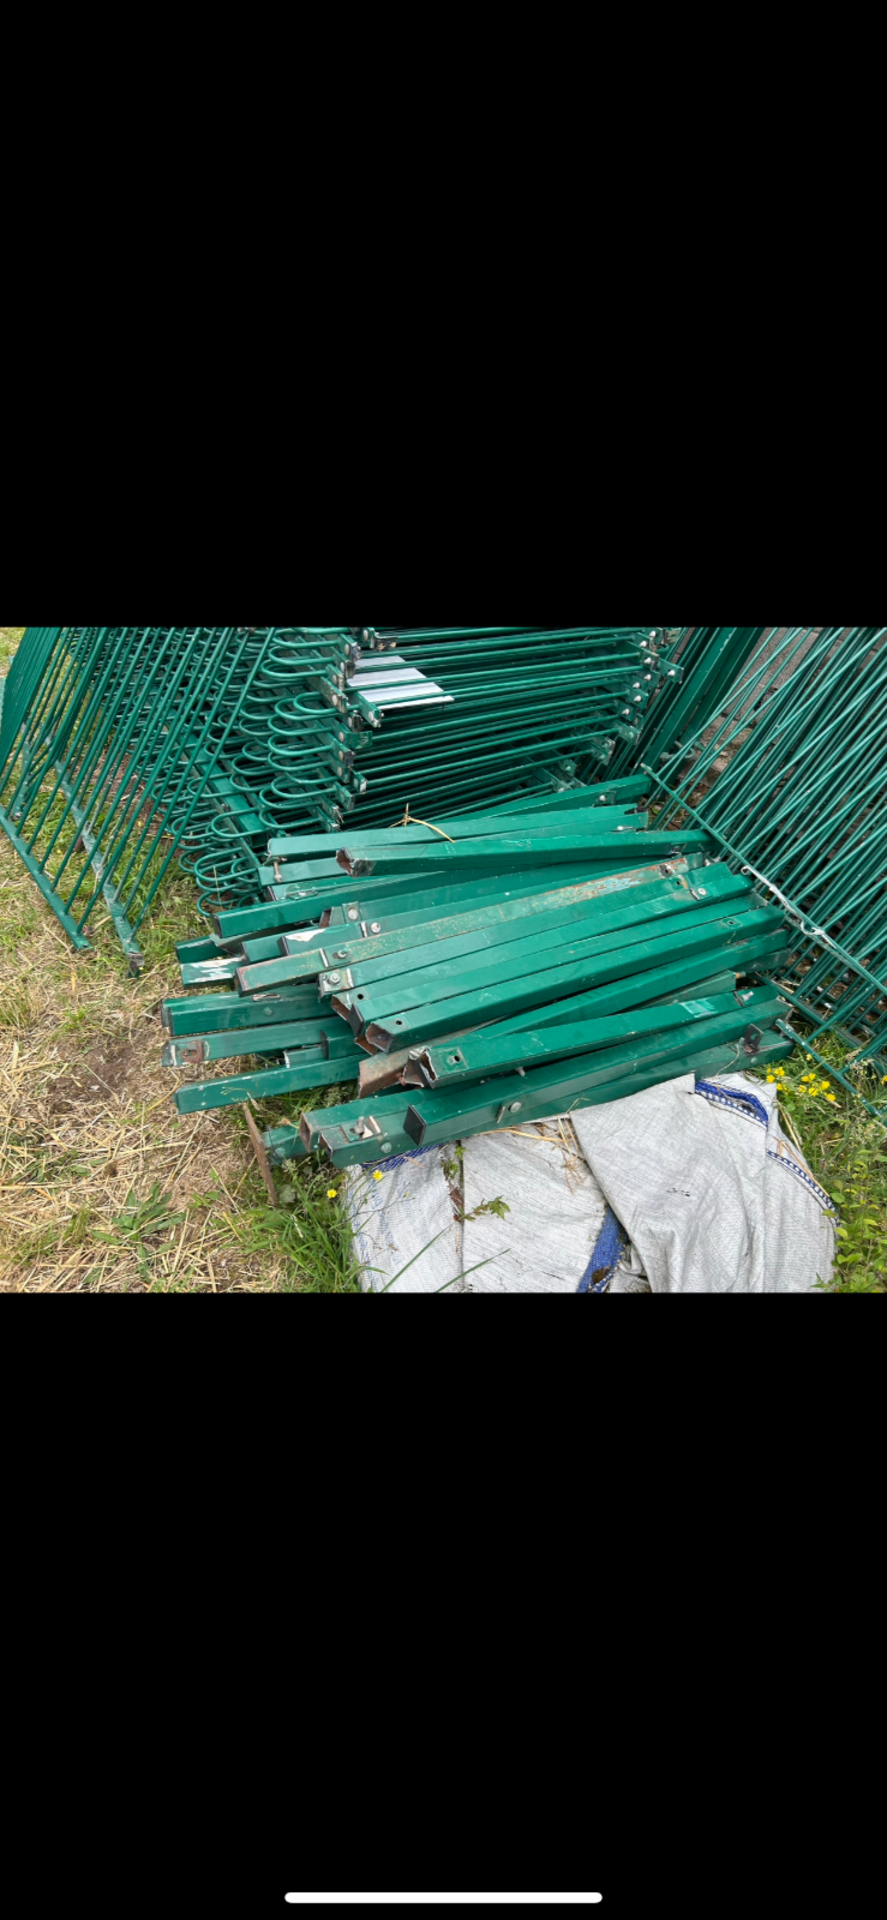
(846, 1150)
(9, 639)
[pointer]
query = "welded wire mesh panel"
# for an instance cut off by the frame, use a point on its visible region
(21, 683)
(698, 667)
(794, 781)
(111, 759)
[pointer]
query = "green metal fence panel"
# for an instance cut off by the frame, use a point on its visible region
(20, 685)
(696, 667)
(792, 782)
(112, 758)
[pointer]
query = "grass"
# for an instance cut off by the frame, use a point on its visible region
(846, 1149)
(9, 639)
(103, 1189)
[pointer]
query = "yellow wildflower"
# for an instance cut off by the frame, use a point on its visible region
(378, 1176)
(332, 1193)
(833, 1098)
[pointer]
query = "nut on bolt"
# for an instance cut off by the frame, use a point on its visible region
(334, 979)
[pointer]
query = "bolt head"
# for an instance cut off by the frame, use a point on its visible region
(376, 926)
(353, 913)
(334, 979)
(515, 1107)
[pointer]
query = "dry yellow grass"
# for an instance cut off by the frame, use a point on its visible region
(87, 1119)
(9, 639)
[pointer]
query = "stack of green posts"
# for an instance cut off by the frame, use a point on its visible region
(480, 973)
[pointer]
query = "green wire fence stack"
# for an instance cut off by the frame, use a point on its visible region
(117, 745)
(123, 746)
(528, 703)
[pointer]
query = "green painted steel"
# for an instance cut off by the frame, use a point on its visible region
(793, 784)
(230, 1013)
(283, 1144)
(568, 974)
(271, 1084)
(655, 984)
(490, 1053)
(113, 757)
(695, 674)
(510, 851)
(382, 1071)
(528, 706)
(359, 737)
(235, 1044)
(21, 683)
(606, 820)
(442, 1116)
(404, 946)
(123, 748)
(478, 1007)
(357, 905)
(525, 946)
(352, 1136)
(510, 940)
